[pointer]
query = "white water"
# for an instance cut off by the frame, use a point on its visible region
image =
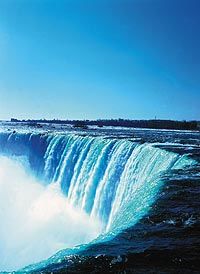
(86, 179)
(36, 221)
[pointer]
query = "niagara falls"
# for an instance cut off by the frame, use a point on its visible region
(77, 190)
(99, 136)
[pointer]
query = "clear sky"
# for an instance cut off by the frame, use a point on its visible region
(92, 59)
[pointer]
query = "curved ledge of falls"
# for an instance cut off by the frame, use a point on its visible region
(80, 189)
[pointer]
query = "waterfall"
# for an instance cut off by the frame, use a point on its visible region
(113, 180)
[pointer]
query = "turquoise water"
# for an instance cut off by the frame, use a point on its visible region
(111, 183)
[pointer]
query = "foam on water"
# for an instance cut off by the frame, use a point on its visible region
(36, 221)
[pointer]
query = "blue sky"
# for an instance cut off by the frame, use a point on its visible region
(84, 59)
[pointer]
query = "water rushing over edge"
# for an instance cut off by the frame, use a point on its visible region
(115, 181)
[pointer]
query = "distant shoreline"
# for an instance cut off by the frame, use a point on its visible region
(151, 124)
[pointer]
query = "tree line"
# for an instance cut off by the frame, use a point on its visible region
(154, 123)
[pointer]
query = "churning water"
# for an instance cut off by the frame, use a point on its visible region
(62, 190)
(36, 221)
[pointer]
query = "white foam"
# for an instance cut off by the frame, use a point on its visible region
(36, 221)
